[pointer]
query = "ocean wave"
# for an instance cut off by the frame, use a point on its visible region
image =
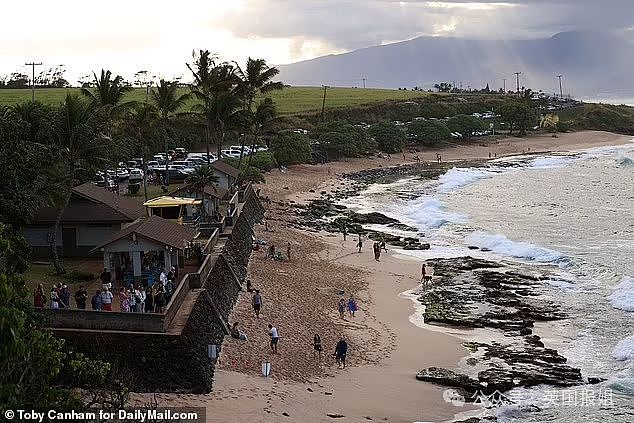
(623, 295)
(502, 245)
(458, 177)
(624, 161)
(551, 162)
(623, 382)
(624, 350)
(431, 213)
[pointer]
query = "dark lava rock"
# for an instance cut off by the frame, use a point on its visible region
(372, 218)
(446, 377)
(335, 416)
(595, 380)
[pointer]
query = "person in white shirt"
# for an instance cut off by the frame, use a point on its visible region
(163, 278)
(140, 295)
(106, 300)
(274, 338)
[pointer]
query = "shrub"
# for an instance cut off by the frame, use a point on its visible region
(464, 124)
(388, 137)
(563, 126)
(291, 148)
(341, 139)
(251, 174)
(429, 132)
(263, 160)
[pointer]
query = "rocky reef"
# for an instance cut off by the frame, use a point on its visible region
(475, 293)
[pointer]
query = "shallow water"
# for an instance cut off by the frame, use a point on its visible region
(574, 213)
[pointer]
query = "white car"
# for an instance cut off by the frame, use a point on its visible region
(136, 175)
(237, 148)
(231, 153)
(122, 173)
(182, 168)
(260, 148)
(153, 164)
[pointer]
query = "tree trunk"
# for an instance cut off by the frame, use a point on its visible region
(207, 144)
(167, 159)
(57, 263)
(255, 140)
(242, 142)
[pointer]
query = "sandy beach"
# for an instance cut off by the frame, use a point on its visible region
(300, 298)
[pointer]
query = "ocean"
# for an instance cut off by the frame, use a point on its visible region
(572, 214)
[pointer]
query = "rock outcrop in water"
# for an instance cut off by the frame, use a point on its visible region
(474, 293)
(325, 215)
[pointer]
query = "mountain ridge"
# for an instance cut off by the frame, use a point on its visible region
(591, 60)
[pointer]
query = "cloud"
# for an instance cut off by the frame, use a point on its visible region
(348, 24)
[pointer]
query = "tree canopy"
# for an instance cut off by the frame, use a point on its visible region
(388, 137)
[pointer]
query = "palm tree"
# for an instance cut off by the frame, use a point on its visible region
(215, 86)
(256, 78)
(80, 144)
(108, 94)
(141, 124)
(263, 118)
(200, 179)
(167, 101)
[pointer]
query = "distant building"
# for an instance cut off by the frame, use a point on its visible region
(227, 175)
(93, 215)
(213, 197)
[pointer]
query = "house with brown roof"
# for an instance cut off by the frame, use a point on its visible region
(212, 198)
(145, 247)
(93, 215)
(227, 175)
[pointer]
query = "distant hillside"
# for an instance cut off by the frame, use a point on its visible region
(592, 62)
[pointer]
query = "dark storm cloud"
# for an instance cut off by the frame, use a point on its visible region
(341, 24)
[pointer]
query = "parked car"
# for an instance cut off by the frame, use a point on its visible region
(152, 164)
(230, 153)
(100, 181)
(122, 173)
(260, 148)
(180, 152)
(186, 165)
(181, 168)
(136, 175)
(177, 174)
(132, 164)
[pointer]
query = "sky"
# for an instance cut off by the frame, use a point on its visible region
(159, 36)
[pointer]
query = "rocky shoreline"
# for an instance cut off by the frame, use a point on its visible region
(466, 293)
(475, 293)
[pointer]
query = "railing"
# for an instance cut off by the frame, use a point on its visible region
(144, 322)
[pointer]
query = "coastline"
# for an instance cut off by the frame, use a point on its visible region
(387, 350)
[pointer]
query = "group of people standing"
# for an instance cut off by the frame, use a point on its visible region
(132, 299)
(351, 306)
(60, 297)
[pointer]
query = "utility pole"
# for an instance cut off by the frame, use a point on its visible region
(33, 65)
(504, 85)
(323, 103)
(561, 91)
(364, 82)
(517, 77)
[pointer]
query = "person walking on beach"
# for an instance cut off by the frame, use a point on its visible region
(341, 350)
(256, 301)
(344, 231)
(124, 300)
(377, 251)
(274, 338)
(360, 243)
(352, 306)
(342, 307)
(382, 246)
(317, 346)
(288, 251)
(423, 272)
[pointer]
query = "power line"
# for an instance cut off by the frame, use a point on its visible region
(504, 85)
(33, 65)
(364, 82)
(561, 91)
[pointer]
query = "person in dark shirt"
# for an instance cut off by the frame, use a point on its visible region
(340, 352)
(95, 301)
(80, 298)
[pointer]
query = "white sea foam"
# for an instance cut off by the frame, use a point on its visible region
(623, 295)
(502, 245)
(625, 161)
(551, 162)
(624, 350)
(623, 382)
(458, 177)
(430, 212)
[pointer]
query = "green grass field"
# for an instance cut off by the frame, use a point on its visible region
(289, 100)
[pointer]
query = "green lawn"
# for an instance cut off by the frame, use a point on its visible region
(289, 100)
